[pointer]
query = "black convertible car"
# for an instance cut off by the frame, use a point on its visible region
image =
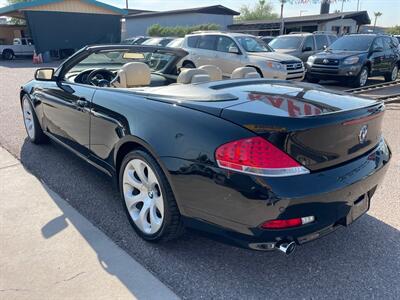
(266, 164)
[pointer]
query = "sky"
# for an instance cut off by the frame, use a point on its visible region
(390, 9)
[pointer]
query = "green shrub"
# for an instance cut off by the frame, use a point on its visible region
(178, 31)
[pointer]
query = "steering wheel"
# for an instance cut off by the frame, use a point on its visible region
(100, 77)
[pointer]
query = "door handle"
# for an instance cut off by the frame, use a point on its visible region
(81, 102)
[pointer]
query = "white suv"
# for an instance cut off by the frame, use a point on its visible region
(229, 51)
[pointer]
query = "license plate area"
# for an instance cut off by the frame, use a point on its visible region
(360, 207)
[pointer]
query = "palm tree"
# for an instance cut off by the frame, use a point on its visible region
(282, 25)
(377, 15)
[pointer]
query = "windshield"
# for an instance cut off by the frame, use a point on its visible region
(157, 41)
(352, 43)
(251, 44)
(114, 60)
(286, 42)
(177, 43)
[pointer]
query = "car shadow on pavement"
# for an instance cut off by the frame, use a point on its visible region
(360, 261)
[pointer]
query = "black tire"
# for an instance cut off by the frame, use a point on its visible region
(172, 226)
(188, 65)
(8, 54)
(393, 74)
(311, 79)
(356, 82)
(38, 136)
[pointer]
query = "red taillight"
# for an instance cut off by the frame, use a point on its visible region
(282, 224)
(259, 157)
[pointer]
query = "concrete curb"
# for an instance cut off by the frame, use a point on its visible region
(50, 251)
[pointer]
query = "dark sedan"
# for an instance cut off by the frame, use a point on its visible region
(265, 164)
(354, 58)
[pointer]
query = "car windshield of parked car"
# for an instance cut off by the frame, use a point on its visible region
(251, 44)
(286, 42)
(114, 60)
(177, 43)
(352, 43)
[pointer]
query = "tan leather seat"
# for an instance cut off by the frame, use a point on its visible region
(214, 72)
(133, 74)
(188, 76)
(245, 72)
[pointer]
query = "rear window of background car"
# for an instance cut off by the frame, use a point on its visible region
(207, 42)
(321, 41)
(309, 43)
(192, 41)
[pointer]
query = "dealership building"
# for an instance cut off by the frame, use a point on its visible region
(341, 23)
(137, 22)
(63, 24)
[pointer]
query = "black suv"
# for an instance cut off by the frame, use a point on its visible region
(354, 58)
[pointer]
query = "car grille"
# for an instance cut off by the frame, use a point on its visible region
(295, 69)
(326, 61)
(325, 65)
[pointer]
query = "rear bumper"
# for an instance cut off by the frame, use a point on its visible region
(233, 206)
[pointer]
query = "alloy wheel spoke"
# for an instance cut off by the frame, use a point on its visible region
(131, 200)
(142, 220)
(130, 179)
(140, 171)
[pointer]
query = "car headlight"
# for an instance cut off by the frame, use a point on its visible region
(311, 59)
(276, 66)
(351, 60)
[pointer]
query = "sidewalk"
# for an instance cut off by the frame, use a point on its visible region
(49, 251)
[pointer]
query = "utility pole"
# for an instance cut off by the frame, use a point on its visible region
(342, 4)
(127, 5)
(358, 5)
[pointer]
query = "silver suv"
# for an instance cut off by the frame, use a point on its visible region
(229, 51)
(302, 45)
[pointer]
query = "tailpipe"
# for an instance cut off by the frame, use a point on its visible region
(286, 247)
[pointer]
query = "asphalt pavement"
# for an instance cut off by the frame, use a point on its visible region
(362, 261)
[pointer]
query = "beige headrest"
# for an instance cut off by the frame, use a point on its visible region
(245, 72)
(252, 75)
(132, 74)
(214, 72)
(186, 75)
(198, 78)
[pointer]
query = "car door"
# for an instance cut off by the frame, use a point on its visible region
(17, 46)
(66, 112)
(205, 53)
(308, 48)
(225, 60)
(390, 53)
(377, 57)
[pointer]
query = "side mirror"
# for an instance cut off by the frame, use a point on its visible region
(233, 49)
(377, 49)
(44, 74)
(305, 49)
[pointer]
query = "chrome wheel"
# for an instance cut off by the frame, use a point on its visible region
(395, 71)
(28, 119)
(143, 196)
(363, 77)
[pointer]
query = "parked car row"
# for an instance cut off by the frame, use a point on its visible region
(314, 56)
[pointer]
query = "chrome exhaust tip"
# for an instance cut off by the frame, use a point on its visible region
(286, 247)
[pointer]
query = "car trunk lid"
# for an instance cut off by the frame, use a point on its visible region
(318, 128)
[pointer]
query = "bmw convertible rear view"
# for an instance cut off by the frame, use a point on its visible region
(265, 164)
